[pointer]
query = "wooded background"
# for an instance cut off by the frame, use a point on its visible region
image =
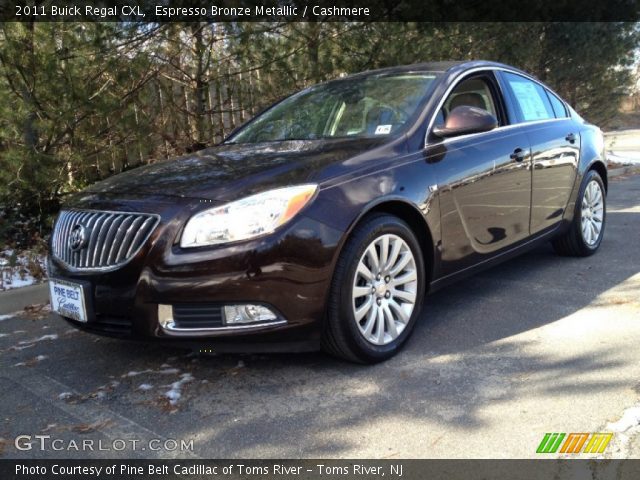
(82, 101)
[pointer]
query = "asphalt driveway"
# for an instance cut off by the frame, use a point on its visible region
(539, 344)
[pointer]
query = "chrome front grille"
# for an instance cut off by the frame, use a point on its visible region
(96, 240)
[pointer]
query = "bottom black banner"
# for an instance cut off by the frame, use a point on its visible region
(319, 469)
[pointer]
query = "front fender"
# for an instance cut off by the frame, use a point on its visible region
(402, 190)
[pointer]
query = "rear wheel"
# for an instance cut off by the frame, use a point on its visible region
(587, 227)
(376, 293)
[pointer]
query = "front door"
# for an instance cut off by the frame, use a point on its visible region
(484, 181)
(485, 195)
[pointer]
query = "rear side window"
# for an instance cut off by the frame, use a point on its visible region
(558, 106)
(530, 98)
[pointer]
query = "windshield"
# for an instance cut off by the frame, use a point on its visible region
(372, 106)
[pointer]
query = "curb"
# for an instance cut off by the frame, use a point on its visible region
(616, 172)
(19, 298)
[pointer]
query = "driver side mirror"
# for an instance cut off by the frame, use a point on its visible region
(463, 120)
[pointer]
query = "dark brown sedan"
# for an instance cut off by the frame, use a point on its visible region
(324, 221)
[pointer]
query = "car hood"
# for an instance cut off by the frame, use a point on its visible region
(226, 172)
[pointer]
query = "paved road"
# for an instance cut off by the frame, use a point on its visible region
(539, 344)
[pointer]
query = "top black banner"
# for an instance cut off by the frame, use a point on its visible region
(321, 10)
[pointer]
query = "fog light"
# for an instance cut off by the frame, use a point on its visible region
(238, 314)
(165, 315)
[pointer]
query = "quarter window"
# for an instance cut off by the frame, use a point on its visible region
(530, 98)
(558, 106)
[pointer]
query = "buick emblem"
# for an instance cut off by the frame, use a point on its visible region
(78, 237)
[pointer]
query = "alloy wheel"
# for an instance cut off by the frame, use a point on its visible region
(592, 213)
(384, 289)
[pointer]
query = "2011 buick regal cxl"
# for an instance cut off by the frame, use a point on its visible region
(325, 220)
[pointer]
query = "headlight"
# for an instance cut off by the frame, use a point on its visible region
(246, 218)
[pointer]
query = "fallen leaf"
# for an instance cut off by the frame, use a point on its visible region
(90, 427)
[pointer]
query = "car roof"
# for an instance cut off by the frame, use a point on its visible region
(435, 67)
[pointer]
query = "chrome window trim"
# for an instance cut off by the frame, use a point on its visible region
(109, 268)
(488, 68)
(567, 113)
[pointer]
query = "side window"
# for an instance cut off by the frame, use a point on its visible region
(474, 92)
(558, 106)
(530, 98)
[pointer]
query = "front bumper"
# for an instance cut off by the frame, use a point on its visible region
(289, 271)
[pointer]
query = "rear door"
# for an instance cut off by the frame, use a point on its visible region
(555, 147)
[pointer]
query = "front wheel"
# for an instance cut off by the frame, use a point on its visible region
(587, 227)
(377, 291)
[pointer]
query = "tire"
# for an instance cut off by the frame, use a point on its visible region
(583, 237)
(388, 312)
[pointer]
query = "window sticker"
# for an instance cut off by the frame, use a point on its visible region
(531, 104)
(383, 129)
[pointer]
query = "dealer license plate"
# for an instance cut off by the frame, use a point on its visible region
(67, 299)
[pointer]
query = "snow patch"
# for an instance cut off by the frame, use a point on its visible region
(17, 269)
(14, 281)
(134, 373)
(630, 418)
(176, 388)
(166, 371)
(31, 362)
(624, 157)
(145, 386)
(50, 426)
(65, 395)
(51, 336)
(10, 315)
(627, 427)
